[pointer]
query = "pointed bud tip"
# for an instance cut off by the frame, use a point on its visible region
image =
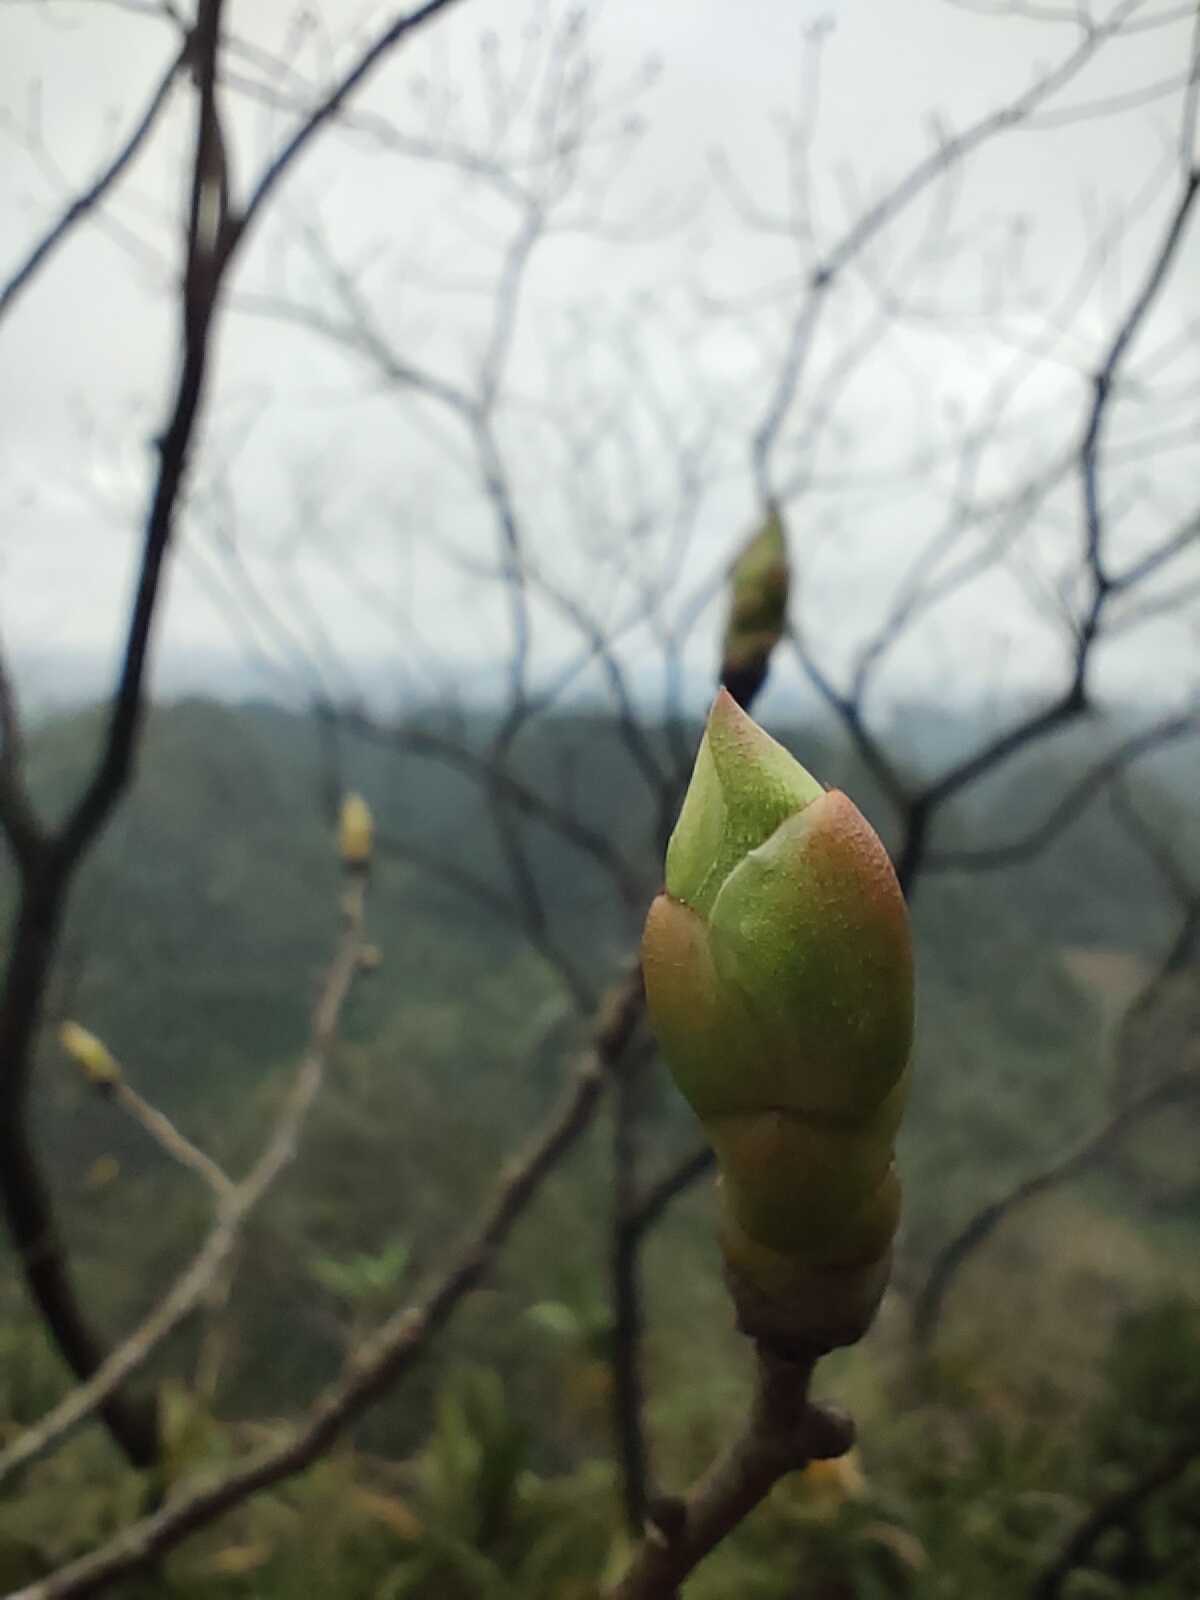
(743, 786)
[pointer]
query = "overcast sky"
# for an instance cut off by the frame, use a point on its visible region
(354, 512)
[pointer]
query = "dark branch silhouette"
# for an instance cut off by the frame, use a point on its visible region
(382, 1358)
(1116, 1511)
(47, 862)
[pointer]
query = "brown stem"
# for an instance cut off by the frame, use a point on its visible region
(626, 1331)
(786, 1430)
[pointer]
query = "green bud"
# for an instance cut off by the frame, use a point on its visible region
(778, 969)
(758, 597)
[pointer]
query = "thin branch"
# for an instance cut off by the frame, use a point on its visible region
(235, 1201)
(499, 905)
(189, 1291)
(872, 222)
(382, 1358)
(84, 204)
(628, 1095)
(47, 870)
(1184, 537)
(631, 885)
(1114, 1512)
(47, 866)
(785, 1432)
(1095, 1149)
(328, 108)
(1102, 383)
(1102, 774)
(660, 1196)
(167, 1136)
(17, 816)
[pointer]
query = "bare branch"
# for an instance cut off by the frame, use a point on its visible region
(1113, 1512)
(84, 204)
(1102, 383)
(785, 1432)
(17, 816)
(631, 885)
(876, 218)
(1181, 1083)
(1118, 761)
(1094, 1150)
(385, 1356)
(235, 1201)
(189, 1291)
(670, 1186)
(629, 1079)
(47, 866)
(333, 102)
(168, 1138)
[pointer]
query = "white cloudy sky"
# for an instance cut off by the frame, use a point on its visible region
(355, 513)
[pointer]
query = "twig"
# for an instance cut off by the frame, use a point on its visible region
(48, 863)
(626, 1328)
(168, 1138)
(669, 1187)
(1113, 1512)
(1108, 770)
(1093, 1150)
(872, 222)
(17, 816)
(1097, 1146)
(786, 1431)
(189, 1290)
(48, 866)
(235, 1201)
(84, 204)
(384, 1357)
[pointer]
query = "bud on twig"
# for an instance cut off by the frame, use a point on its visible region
(91, 1054)
(779, 981)
(758, 597)
(356, 833)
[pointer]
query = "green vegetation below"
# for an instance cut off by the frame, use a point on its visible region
(195, 943)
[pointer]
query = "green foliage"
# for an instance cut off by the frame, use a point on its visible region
(363, 1276)
(1151, 1406)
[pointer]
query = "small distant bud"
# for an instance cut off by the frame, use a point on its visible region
(102, 1174)
(369, 957)
(356, 832)
(758, 599)
(91, 1054)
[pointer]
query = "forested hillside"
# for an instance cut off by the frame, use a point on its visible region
(194, 945)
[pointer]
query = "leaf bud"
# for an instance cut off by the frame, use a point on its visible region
(97, 1061)
(356, 833)
(758, 597)
(778, 967)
